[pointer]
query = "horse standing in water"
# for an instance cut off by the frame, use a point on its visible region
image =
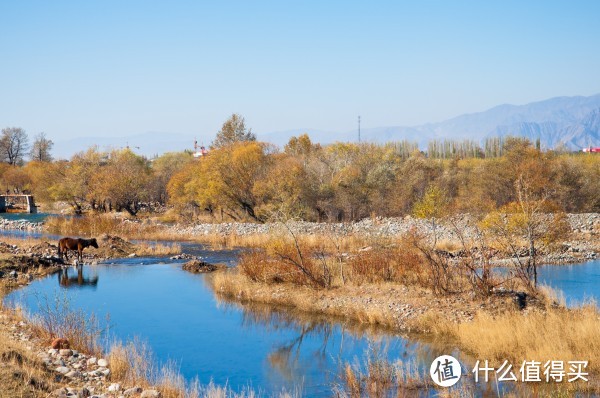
(66, 244)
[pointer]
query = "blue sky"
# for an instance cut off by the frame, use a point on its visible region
(89, 68)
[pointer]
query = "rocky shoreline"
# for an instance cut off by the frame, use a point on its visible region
(583, 244)
(78, 374)
(21, 225)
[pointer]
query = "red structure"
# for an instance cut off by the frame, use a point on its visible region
(592, 149)
(199, 152)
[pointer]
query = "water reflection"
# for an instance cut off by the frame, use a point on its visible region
(323, 345)
(66, 280)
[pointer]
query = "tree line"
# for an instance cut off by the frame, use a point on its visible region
(243, 179)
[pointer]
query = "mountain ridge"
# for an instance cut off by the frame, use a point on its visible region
(573, 122)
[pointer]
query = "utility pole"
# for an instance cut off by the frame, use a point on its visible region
(359, 129)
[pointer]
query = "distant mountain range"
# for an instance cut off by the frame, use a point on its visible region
(572, 121)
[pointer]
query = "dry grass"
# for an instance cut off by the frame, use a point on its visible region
(157, 249)
(134, 364)
(557, 334)
(57, 319)
(149, 229)
(98, 224)
(21, 373)
(236, 286)
(397, 263)
(381, 378)
(23, 242)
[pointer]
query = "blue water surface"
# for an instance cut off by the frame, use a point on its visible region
(180, 318)
(268, 349)
(579, 283)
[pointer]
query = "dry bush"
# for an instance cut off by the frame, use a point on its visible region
(56, 318)
(398, 263)
(287, 261)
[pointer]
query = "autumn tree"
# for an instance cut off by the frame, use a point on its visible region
(16, 180)
(432, 206)
(77, 179)
(284, 191)
(300, 146)
(123, 184)
(163, 169)
(41, 148)
(533, 219)
(233, 130)
(223, 181)
(13, 145)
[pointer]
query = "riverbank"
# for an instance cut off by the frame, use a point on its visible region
(58, 353)
(582, 242)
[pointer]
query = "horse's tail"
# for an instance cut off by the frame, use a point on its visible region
(59, 251)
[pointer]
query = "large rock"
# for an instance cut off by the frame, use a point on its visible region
(201, 267)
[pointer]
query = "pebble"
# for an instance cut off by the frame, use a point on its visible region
(132, 391)
(102, 363)
(114, 387)
(150, 394)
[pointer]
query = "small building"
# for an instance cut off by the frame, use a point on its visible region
(591, 149)
(199, 151)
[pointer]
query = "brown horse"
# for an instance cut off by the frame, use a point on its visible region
(66, 244)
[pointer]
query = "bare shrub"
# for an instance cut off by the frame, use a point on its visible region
(399, 263)
(56, 318)
(289, 261)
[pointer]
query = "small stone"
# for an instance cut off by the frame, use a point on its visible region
(92, 361)
(73, 374)
(84, 393)
(102, 363)
(150, 394)
(114, 387)
(63, 369)
(61, 392)
(132, 391)
(65, 352)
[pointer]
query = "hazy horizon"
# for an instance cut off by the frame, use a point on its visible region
(122, 69)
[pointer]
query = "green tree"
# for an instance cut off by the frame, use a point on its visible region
(233, 130)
